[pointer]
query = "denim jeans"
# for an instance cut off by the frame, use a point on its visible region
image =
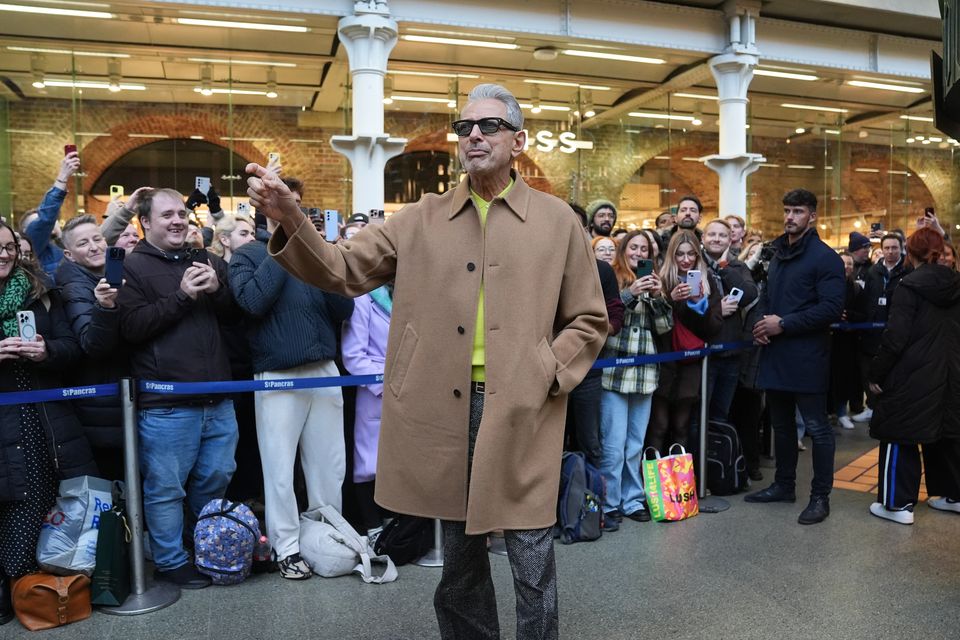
(784, 406)
(185, 452)
(723, 375)
(623, 427)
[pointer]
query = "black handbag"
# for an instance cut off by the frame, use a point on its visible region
(405, 539)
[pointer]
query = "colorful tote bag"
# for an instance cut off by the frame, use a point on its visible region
(671, 485)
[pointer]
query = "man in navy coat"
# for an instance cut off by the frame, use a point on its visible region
(804, 295)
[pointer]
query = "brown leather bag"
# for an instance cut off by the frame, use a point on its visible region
(44, 601)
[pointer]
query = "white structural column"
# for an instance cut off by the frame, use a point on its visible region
(733, 71)
(368, 36)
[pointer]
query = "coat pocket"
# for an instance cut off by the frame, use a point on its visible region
(398, 373)
(548, 361)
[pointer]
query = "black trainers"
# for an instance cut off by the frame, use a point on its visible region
(611, 521)
(640, 515)
(186, 576)
(773, 493)
(817, 510)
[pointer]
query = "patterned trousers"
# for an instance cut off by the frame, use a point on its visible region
(465, 601)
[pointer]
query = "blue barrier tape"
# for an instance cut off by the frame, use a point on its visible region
(243, 386)
(66, 393)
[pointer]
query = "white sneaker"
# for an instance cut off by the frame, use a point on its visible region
(904, 516)
(863, 416)
(846, 422)
(944, 504)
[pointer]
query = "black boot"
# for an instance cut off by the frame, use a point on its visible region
(6, 605)
(817, 511)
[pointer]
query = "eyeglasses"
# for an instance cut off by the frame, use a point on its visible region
(10, 249)
(488, 126)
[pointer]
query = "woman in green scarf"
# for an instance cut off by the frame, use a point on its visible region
(40, 443)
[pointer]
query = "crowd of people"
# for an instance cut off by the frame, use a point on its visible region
(244, 299)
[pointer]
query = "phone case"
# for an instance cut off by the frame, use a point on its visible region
(113, 270)
(27, 324)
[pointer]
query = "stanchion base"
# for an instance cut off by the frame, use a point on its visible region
(713, 504)
(434, 558)
(157, 596)
(498, 546)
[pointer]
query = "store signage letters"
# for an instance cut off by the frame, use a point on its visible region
(567, 141)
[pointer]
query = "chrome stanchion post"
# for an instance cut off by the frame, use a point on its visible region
(708, 504)
(144, 597)
(434, 557)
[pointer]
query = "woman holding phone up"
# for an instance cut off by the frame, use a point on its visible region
(40, 441)
(697, 318)
(628, 391)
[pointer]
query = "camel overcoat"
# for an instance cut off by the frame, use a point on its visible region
(545, 321)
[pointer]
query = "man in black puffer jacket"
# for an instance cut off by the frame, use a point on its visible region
(171, 307)
(91, 309)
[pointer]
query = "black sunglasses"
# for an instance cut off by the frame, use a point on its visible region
(488, 126)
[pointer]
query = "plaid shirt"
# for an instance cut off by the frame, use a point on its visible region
(636, 338)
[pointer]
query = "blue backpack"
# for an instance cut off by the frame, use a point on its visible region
(224, 540)
(580, 503)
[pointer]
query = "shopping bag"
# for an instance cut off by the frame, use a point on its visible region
(68, 536)
(111, 577)
(670, 484)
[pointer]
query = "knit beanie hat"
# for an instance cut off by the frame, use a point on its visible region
(857, 241)
(600, 204)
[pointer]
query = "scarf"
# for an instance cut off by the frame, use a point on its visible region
(11, 300)
(382, 298)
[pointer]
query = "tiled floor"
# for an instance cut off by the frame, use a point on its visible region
(861, 475)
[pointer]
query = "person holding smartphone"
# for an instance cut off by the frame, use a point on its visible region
(628, 391)
(42, 225)
(697, 318)
(43, 442)
(90, 305)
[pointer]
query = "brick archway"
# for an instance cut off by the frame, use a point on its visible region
(104, 151)
(436, 140)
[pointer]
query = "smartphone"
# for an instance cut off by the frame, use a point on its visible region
(876, 226)
(331, 225)
(735, 294)
(273, 157)
(69, 148)
(116, 191)
(695, 280)
(644, 268)
(27, 324)
(113, 270)
(243, 208)
(376, 216)
(203, 185)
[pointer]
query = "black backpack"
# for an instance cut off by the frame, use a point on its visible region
(580, 500)
(405, 539)
(726, 466)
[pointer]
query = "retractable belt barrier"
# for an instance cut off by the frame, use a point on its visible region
(162, 387)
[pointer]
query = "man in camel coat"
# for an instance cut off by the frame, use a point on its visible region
(498, 314)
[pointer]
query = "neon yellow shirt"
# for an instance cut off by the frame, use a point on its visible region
(479, 355)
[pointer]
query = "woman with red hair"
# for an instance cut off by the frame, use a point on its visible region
(916, 377)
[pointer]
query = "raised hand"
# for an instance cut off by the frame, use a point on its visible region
(271, 197)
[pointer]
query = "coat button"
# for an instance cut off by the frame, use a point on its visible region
(456, 393)
(461, 330)
(471, 266)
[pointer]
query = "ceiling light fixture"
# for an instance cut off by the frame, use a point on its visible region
(884, 86)
(256, 26)
(588, 110)
(811, 107)
(421, 99)
(535, 99)
(388, 90)
(600, 55)
(695, 96)
(462, 42)
(697, 117)
(917, 118)
(113, 71)
(660, 116)
(68, 52)
(271, 83)
(432, 74)
(56, 11)
(910, 140)
(206, 80)
(800, 130)
(90, 84)
(36, 70)
(833, 132)
(253, 63)
(769, 165)
(238, 92)
(800, 166)
(557, 83)
(806, 77)
(544, 107)
(866, 170)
